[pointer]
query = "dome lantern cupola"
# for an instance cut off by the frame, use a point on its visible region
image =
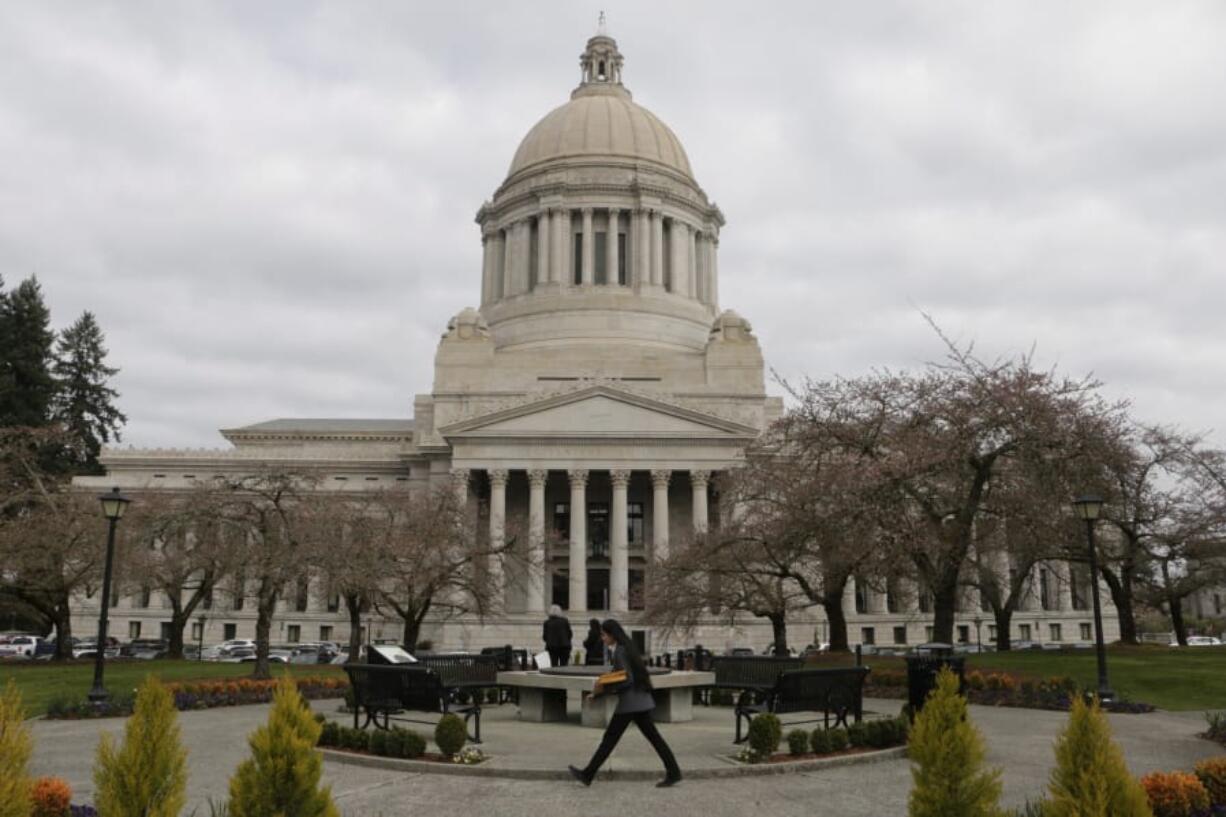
(600, 64)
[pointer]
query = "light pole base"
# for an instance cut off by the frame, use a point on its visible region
(98, 695)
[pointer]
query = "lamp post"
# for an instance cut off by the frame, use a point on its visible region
(113, 506)
(1088, 507)
(200, 640)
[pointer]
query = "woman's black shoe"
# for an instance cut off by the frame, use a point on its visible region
(580, 776)
(668, 781)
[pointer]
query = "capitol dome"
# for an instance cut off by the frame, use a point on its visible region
(601, 121)
(600, 235)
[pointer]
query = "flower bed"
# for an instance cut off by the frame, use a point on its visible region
(395, 742)
(202, 695)
(1001, 689)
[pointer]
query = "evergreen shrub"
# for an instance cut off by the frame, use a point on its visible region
(838, 739)
(947, 754)
(50, 797)
(1091, 778)
(282, 775)
(146, 776)
(15, 747)
(450, 734)
(798, 742)
(820, 741)
(765, 733)
(857, 734)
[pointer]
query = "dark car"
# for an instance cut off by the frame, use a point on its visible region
(145, 648)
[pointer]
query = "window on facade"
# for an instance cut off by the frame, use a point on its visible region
(293, 633)
(900, 635)
(1053, 632)
(133, 630)
(334, 602)
(114, 597)
(861, 598)
(197, 631)
(239, 591)
(1217, 604)
(891, 597)
(325, 632)
(600, 246)
(1086, 635)
(623, 263)
(634, 523)
(303, 597)
(991, 632)
(925, 601)
(1023, 632)
(1078, 585)
(229, 632)
(928, 633)
(146, 595)
(561, 520)
(164, 631)
(578, 276)
(598, 532)
(1045, 590)
(868, 636)
(207, 601)
(964, 634)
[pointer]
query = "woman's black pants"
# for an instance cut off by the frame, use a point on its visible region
(613, 733)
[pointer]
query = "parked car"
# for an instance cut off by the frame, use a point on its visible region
(1193, 641)
(88, 648)
(145, 649)
(20, 646)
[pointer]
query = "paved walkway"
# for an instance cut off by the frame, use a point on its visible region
(1019, 741)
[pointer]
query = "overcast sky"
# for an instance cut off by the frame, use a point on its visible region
(270, 206)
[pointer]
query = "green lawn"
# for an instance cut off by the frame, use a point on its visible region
(41, 682)
(1190, 678)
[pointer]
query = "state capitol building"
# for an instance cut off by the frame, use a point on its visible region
(591, 401)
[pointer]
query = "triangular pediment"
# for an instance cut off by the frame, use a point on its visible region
(599, 411)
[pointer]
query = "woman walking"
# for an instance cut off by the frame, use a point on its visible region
(634, 705)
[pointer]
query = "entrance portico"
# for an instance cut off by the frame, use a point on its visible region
(612, 476)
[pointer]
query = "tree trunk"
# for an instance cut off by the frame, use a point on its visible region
(944, 610)
(779, 626)
(353, 604)
(178, 621)
(1004, 619)
(1122, 596)
(266, 606)
(63, 630)
(1177, 622)
(837, 622)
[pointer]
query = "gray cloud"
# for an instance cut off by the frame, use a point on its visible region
(270, 206)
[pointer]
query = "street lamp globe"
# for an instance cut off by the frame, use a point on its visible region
(1088, 506)
(113, 504)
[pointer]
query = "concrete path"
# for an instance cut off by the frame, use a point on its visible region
(1019, 741)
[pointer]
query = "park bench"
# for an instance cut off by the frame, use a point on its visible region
(466, 672)
(388, 690)
(836, 692)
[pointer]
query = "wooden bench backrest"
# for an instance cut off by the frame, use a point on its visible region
(411, 687)
(816, 690)
(750, 671)
(466, 670)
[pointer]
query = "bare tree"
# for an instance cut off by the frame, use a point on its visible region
(265, 512)
(178, 545)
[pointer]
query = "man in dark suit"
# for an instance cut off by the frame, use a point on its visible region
(558, 636)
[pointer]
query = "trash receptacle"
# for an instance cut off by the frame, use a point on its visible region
(922, 668)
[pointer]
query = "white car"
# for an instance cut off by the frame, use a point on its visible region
(1193, 641)
(20, 646)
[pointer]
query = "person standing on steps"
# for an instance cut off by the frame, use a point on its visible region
(634, 705)
(558, 636)
(593, 645)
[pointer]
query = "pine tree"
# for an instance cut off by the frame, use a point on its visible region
(947, 753)
(85, 404)
(147, 775)
(26, 354)
(1091, 778)
(6, 373)
(282, 775)
(15, 747)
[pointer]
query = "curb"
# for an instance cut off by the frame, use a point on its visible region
(731, 771)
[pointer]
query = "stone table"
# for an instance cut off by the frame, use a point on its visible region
(542, 694)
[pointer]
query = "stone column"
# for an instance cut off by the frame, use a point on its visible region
(877, 601)
(659, 513)
(589, 248)
(679, 234)
(698, 484)
(849, 600)
(1064, 575)
(657, 248)
(713, 274)
(578, 540)
(509, 246)
(619, 546)
(641, 271)
(542, 248)
(691, 252)
(459, 485)
(498, 528)
(610, 246)
(538, 559)
(908, 592)
(497, 256)
(523, 271)
(487, 268)
(562, 228)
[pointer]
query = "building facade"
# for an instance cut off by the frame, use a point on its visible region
(591, 402)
